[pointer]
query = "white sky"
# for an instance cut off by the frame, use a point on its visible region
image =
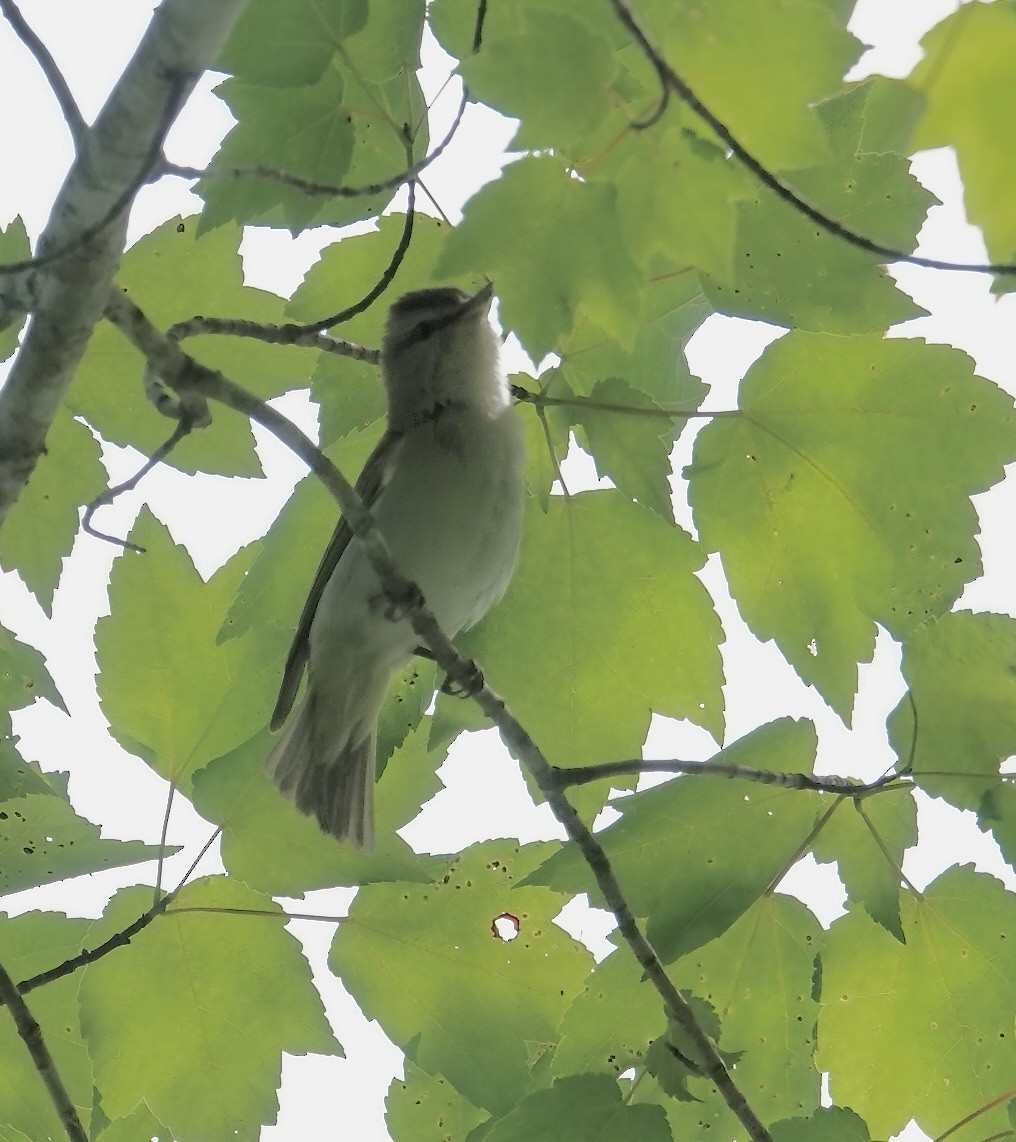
(326, 1098)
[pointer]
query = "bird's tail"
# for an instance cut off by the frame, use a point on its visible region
(327, 767)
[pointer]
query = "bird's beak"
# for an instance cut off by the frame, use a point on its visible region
(480, 301)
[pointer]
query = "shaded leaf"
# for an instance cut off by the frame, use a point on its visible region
(235, 793)
(867, 839)
(724, 870)
(578, 1108)
(289, 44)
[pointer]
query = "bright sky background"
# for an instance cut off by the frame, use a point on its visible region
(329, 1098)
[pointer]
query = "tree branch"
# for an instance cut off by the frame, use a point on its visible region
(583, 775)
(187, 375)
(118, 940)
(288, 334)
(672, 82)
(48, 66)
(31, 1036)
(183, 39)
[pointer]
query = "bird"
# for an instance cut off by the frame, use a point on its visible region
(445, 486)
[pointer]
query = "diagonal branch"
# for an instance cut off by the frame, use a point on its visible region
(288, 334)
(583, 775)
(118, 940)
(48, 66)
(672, 82)
(187, 375)
(31, 1036)
(182, 40)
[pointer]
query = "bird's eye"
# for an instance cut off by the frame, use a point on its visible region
(424, 330)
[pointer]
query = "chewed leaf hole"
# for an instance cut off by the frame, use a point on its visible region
(505, 927)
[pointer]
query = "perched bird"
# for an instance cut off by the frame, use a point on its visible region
(445, 488)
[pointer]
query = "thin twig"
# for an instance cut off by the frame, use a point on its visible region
(186, 374)
(119, 939)
(997, 1101)
(583, 775)
(382, 283)
(783, 190)
(31, 1035)
(883, 849)
(48, 66)
(308, 186)
(110, 494)
(288, 334)
(162, 842)
(541, 399)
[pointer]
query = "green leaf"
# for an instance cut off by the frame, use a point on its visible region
(307, 131)
(14, 247)
(139, 1126)
(966, 79)
(552, 73)
(530, 231)
(289, 43)
(672, 310)
(23, 675)
(427, 1108)
(677, 197)
(348, 270)
(611, 1021)
(42, 841)
(170, 692)
(961, 672)
(30, 944)
(838, 499)
(760, 69)
(235, 793)
(579, 1108)
(724, 870)
(599, 580)
(354, 137)
(759, 976)
(193, 1016)
(271, 595)
(867, 838)
(631, 448)
(174, 275)
(948, 993)
(790, 271)
(827, 1124)
(480, 1009)
(40, 528)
